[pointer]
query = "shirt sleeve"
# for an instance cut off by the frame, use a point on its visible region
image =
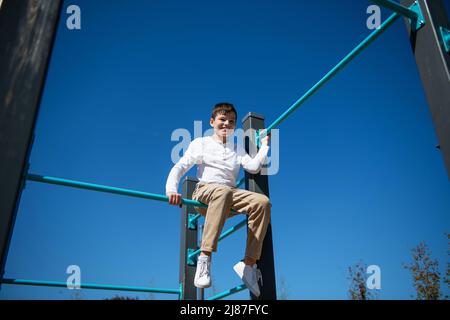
(192, 156)
(253, 165)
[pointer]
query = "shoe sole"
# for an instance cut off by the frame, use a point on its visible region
(202, 287)
(241, 275)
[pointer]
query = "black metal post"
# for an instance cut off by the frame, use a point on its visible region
(260, 183)
(433, 63)
(27, 33)
(188, 243)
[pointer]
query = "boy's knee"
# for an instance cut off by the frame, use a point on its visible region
(262, 204)
(264, 201)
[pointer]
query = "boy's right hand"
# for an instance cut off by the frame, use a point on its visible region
(174, 198)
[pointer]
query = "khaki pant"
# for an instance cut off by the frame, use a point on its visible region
(220, 200)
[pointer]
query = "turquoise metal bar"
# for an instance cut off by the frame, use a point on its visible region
(222, 236)
(192, 221)
(107, 189)
(398, 8)
(196, 217)
(349, 57)
(89, 286)
(181, 292)
(233, 229)
(414, 12)
(445, 37)
(240, 182)
(228, 292)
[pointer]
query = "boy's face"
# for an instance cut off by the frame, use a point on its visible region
(224, 124)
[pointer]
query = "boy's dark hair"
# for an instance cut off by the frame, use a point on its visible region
(223, 108)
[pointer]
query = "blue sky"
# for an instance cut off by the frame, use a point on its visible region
(360, 177)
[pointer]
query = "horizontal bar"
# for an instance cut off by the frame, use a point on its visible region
(228, 292)
(349, 57)
(88, 286)
(398, 8)
(223, 235)
(107, 189)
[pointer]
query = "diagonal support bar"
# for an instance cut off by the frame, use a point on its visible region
(396, 7)
(414, 13)
(445, 37)
(191, 254)
(349, 57)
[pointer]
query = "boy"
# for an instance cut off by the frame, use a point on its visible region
(219, 161)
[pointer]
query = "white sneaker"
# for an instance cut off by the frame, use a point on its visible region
(250, 276)
(202, 274)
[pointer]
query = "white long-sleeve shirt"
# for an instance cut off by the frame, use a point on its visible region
(217, 162)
